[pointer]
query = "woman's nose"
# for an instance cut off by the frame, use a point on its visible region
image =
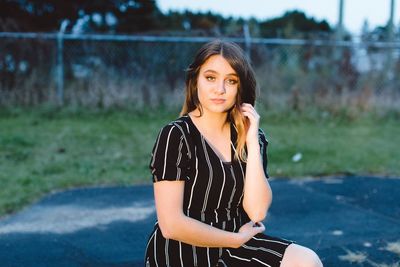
(221, 88)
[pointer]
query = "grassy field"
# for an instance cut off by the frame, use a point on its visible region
(45, 151)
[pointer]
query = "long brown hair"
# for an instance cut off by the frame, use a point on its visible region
(246, 90)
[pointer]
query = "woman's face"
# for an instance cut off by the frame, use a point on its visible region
(217, 85)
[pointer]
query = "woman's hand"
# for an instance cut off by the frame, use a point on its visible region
(254, 119)
(250, 229)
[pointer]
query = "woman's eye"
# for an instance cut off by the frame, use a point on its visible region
(210, 78)
(232, 81)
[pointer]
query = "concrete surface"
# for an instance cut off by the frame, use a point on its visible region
(348, 221)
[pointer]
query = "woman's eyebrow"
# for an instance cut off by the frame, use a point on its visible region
(215, 72)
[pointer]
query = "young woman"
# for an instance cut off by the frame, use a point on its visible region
(210, 174)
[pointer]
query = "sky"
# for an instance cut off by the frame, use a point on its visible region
(377, 12)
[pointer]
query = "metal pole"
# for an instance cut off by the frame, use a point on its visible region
(339, 28)
(60, 63)
(247, 39)
(390, 25)
(390, 37)
(337, 54)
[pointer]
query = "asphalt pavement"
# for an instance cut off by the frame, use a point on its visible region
(348, 221)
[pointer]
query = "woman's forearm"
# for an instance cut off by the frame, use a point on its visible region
(257, 191)
(174, 224)
(197, 233)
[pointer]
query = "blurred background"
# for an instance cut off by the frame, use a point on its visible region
(120, 53)
(86, 85)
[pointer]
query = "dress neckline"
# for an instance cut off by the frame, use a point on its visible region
(214, 150)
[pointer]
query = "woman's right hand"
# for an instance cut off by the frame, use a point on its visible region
(250, 229)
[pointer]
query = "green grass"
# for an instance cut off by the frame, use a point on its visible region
(44, 151)
(366, 146)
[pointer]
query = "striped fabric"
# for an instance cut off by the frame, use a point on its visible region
(213, 194)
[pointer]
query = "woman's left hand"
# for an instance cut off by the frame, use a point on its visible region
(254, 120)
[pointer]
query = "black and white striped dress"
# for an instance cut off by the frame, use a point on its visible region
(213, 194)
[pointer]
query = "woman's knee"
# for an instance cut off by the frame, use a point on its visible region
(299, 256)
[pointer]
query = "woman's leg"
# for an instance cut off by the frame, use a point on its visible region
(259, 251)
(299, 256)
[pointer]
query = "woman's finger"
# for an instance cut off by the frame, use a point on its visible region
(248, 114)
(251, 110)
(247, 107)
(260, 227)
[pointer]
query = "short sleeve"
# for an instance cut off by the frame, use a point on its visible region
(263, 149)
(169, 158)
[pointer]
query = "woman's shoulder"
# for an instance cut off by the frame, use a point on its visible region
(176, 133)
(177, 127)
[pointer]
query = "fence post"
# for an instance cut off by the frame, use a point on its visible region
(60, 63)
(338, 48)
(339, 27)
(247, 39)
(390, 26)
(390, 38)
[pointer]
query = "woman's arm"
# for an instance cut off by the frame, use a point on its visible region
(174, 224)
(257, 191)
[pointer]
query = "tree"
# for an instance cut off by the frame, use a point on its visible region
(138, 16)
(40, 15)
(293, 24)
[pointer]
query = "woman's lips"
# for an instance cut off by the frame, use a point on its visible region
(218, 101)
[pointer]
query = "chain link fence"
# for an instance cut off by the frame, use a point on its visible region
(136, 71)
